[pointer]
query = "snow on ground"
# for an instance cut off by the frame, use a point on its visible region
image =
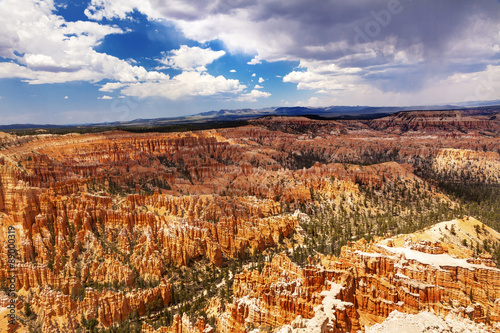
(398, 322)
(253, 304)
(324, 314)
(368, 254)
(437, 260)
(331, 302)
(452, 233)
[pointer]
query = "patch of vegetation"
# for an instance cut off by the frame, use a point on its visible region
(399, 206)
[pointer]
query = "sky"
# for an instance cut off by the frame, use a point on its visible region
(87, 61)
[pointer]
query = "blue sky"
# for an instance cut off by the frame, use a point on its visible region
(87, 61)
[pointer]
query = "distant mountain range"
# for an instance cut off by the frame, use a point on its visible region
(333, 112)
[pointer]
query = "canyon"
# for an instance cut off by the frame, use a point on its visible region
(288, 224)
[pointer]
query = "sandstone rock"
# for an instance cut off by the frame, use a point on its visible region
(103, 209)
(363, 286)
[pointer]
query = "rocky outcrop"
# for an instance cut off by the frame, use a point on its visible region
(284, 292)
(428, 322)
(58, 309)
(364, 285)
(467, 165)
(434, 121)
(181, 325)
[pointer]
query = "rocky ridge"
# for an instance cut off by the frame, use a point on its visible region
(363, 286)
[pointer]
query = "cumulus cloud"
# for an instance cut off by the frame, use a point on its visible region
(391, 46)
(193, 81)
(66, 97)
(232, 71)
(105, 97)
(253, 96)
(319, 75)
(44, 49)
(191, 58)
(255, 61)
(47, 49)
(388, 49)
(111, 86)
(469, 87)
(188, 83)
(100, 9)
(261, 80)
(258, 87)
(10, 70)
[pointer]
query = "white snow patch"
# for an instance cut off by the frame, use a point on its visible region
(366, 254)
(331, 302)
(251, 303)
(324, 314)
(398, 322)
(402, 276)
(438, 260)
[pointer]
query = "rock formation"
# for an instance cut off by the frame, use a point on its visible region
(58, 309)
(181, 325)
(428, 322)
(363, 286)
(100, 219)
(435, 121)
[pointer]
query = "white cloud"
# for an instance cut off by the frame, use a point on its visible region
(255, 61)
(100, 9)
(191, 58)
(327, 33)
(10, 70)
(232, 71)
(105, 97)
(56, 51)
(188, 83)
(253, 75)
(47, 49)
(40, 61)
(191, 17)
(241, 32)
(111, 86)
(310, 80)
(333, 58)
(66, 97)
(258, 87)
(323, 76)
(159, 68)
(261, 80)
(253, 96)
(478, 86)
